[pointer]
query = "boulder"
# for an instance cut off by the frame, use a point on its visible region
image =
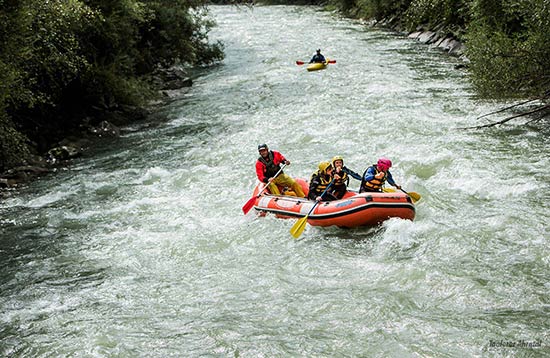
(172, 78)
(446, 43)
(456, 47)
(439, 41)
(426, 37)
(414, 35)
(63, 152)
(7, 183)
(21, 174)
(105, 129)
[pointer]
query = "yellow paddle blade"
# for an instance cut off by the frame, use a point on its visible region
(298, 228)
(414, 196)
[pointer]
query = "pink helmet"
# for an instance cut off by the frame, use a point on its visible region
(383, 164)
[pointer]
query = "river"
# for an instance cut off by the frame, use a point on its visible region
(141, 249)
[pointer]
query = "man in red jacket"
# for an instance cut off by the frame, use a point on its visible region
(268, 164)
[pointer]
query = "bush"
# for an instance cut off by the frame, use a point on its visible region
(448, 13)
(508, 48)
(61, 58)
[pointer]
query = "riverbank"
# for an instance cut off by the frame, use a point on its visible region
(71, 68)
(438, 37)
(105, 125)
(506, 43)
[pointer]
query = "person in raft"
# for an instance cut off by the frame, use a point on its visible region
(376, 176)
(268, 164)
(340, 185)
(317, 58)
(320, 180)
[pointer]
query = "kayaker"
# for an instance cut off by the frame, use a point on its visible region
(268, 164)
(319, 182)
(317, 58)
(340, 185)
(376, 176)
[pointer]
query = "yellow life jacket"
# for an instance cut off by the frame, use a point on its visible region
(343, 179)
(376, 184)
(323, 181)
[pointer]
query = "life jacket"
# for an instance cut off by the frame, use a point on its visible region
(344, 179)
(374, 184)
(323, 182)
(270, 168)
(317, 58)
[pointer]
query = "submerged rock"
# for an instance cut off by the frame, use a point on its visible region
(105, 129)
(63, 152)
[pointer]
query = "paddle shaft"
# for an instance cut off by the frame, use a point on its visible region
(414, 196)
(298, 228)
(267, 184)
(323, 193)
(299, 63)
(250, 203)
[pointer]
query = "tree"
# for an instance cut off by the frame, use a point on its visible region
(508, 48)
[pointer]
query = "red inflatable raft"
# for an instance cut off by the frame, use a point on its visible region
(354, 209)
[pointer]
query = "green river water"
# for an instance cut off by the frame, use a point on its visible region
(140, 249)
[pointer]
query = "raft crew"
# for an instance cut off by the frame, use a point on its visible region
(341, 177)
(318, 57)
(320, 180)
(376, 176)
(268, 165)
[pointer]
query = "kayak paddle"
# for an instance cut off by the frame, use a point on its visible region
(250, 203)
(300, 63)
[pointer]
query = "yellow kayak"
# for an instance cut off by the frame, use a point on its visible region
(318, 65)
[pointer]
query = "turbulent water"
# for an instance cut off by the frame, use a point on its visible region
(141, 249)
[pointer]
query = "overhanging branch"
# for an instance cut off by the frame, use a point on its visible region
(545, 107)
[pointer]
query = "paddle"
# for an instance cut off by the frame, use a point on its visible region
(414, 195)
(298, 228)
(300, 63)
(250, 203)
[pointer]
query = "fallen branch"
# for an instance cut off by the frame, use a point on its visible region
(512, 117)
(537, 119)
(507, 108)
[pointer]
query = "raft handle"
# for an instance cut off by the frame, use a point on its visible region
(368, 198)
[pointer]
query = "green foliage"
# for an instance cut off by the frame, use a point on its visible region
(13, 50)
(436, 12)
(55, 58)
(509, 53)
(380, 9)
(345, 6)
(12, 24)
(178, 33)
(59, 58)
(13, 146)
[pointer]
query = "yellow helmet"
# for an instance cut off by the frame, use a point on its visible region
(323, 166)
(337, 157)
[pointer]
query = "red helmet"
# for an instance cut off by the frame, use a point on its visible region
(383, 164)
